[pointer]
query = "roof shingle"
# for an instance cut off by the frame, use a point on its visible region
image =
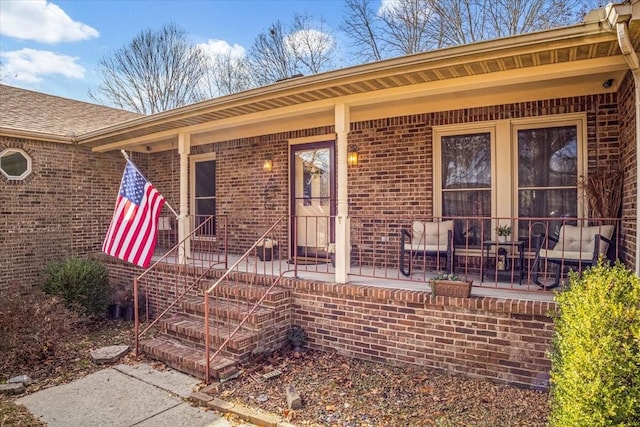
(25, 110)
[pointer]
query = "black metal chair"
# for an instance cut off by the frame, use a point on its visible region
(574, 246)
(434, 239)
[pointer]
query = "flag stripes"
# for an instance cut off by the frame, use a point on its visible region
(133, 230)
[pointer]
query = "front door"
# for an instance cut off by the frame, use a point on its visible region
(313, 198)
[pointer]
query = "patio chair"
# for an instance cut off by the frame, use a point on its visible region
(433, 239)
(574, 246)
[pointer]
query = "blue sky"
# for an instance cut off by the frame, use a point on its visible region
(54, 46)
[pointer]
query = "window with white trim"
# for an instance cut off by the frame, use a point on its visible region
(526, 168)
(15, 163)
(203, 190)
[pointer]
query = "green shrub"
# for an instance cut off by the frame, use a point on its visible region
(82, 284)
(595, 374)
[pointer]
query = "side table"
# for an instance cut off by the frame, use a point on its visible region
(516, 270)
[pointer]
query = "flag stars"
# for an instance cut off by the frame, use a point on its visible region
(132, 185)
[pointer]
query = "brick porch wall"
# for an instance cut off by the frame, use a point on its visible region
(503, 340)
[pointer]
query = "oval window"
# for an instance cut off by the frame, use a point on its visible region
(15, 163)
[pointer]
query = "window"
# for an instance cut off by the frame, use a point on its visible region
(547, 173)
(465, 183)
(203, 199)
(526, 168)
(15, 163)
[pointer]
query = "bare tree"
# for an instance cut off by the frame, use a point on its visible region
(363, 28)
(401, 27)
(228, 74)
(406, 26)
(270, 58)
(156, 71)
(311, 45)
(284, 52)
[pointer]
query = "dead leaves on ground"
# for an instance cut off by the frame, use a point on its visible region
(340, 391)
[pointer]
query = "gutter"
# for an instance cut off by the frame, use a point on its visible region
(37, 136)
(618, 17)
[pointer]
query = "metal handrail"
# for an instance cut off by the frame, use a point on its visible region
(136, 280)
(208, 356)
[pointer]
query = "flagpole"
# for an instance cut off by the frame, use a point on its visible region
(166, 203)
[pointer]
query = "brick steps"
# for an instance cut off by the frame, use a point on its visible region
(231, 311)
(189, 330)
(246, 292)
(181, 339)
(186, 358)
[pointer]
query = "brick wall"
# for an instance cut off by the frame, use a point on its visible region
(396, 174)
(62, 208)
(504, 340)
(628, 159)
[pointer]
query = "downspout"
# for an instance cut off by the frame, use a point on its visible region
(618, 17)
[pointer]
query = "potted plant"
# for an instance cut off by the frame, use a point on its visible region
(450, 285)
(297, 337)
(266, 248)
(504, 231)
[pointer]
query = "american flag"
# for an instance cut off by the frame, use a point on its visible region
(134, 226)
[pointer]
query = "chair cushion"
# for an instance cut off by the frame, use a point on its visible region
(429, 234)
(581, 240)
(567, 255)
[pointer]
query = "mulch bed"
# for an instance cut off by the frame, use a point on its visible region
(341, 391)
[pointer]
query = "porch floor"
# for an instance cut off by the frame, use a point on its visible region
(383, 277)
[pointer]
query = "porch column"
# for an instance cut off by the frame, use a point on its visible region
(184, 148)
(343, 228)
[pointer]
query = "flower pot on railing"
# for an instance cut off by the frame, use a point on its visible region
(267, 249)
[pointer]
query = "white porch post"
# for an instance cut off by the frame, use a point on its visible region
(184, 148)
(343, 237)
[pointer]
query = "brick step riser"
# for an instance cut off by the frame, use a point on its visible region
(217, 330)
(188, 367)
(255, 322)
(233, 350)
(235, 291)
(238, 346)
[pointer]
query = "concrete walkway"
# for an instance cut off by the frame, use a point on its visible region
(123, 395)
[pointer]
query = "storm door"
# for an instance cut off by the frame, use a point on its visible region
(313, 198)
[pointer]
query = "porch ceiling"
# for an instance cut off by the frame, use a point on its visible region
(572, 56)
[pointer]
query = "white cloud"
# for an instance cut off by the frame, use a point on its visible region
(29, 65)
(387, 6)
(41, 21)
(214, 48)
(307, 40)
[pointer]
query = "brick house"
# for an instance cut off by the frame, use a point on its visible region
(453, 133)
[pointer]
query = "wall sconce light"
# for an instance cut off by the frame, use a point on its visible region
(267, 165)
(352, 156)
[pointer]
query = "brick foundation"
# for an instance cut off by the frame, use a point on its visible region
(503, 340)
